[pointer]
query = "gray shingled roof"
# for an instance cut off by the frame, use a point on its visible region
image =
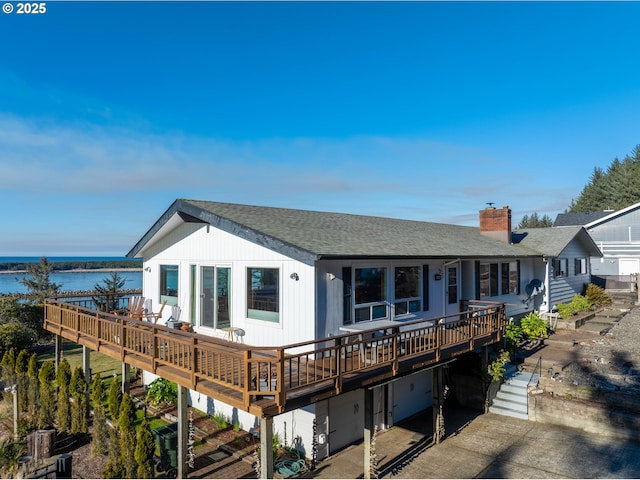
(553, 240)
(310, 235)
(579, 218)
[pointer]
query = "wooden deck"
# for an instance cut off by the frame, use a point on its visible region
(266, 381)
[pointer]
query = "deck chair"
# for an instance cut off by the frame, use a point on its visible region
(136, 307)
(175, 314)
(154, 316)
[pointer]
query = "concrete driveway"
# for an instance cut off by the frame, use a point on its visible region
(488, 446)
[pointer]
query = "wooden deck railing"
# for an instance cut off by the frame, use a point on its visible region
(246, 375)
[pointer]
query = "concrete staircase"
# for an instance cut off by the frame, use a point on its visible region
(512, 398)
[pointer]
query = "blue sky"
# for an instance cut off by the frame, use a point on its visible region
(109, 111)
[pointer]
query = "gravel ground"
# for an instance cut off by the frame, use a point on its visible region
(610, 361)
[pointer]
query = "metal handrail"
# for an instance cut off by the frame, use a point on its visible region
(538, 367)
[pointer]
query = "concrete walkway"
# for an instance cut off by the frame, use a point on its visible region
(489, 446)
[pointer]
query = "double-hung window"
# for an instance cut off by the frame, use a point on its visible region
(580, 266)
(488, 279)
(370, 288)
(560, 267)
(407, 290)
(499, 279)
(263, 294)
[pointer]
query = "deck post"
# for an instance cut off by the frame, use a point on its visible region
(126, 374)
(368, 433)
(182, 431)
(58, 351)
(266, 447)
(86, 363)
(438, 418)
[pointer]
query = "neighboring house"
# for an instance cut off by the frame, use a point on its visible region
(566, 252)
(285, 276)
(617, 234)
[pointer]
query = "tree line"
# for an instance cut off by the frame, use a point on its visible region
(613, 188)
(74, 265)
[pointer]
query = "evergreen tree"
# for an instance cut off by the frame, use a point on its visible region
(100, 440)
(614, 189)
(33, 388)
(127, 431)
(22, 365)
(9, 366)
(80, 407)
(38, 283)
(109, 293)
(115, 467)
(63, 377)
(145, 449)
(47, 376)
(535, 221)
(114, 399)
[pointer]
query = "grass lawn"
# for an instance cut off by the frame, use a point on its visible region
(99, 363)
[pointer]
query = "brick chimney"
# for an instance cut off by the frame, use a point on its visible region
(496, 223)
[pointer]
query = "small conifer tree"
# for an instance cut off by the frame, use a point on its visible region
(63, 377)
(46, 376)
(100, 437)
(127, 431)
(145, 449)
(22, 365)
(114, 400)
(9, 366)
(33, 388)
(80, 406)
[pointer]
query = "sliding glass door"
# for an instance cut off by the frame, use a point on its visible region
(215, 283)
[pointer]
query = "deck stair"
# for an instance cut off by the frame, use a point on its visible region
(512, 398)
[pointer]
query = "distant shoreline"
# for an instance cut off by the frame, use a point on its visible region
(76, 270)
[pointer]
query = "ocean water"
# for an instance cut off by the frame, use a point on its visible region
(9, 282)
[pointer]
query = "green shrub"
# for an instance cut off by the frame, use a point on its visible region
(533, 326)
(578, 304)
(514, 336)
(162, 392)
(597, 296)
(497, 368)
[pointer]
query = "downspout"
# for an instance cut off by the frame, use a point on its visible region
(446, 276)
(547, 291)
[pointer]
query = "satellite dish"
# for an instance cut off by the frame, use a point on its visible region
(533, 287)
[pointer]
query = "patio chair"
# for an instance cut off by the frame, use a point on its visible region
(154, 316)
(136, 307)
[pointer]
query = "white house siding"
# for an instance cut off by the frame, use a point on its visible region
(619, 241)
(330, 290)
(206, 245)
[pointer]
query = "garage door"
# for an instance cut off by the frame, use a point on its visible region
(346, 419)
(627, 266)
(411, 395)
